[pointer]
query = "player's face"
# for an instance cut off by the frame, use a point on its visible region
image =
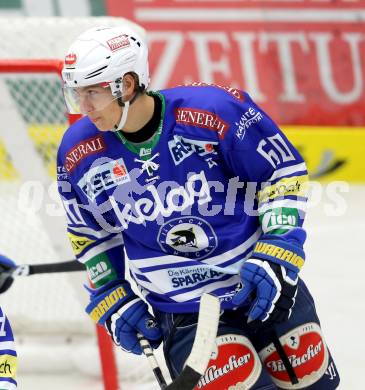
(108, 117)
(98, 103)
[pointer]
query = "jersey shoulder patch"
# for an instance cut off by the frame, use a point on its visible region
(201, 111)
(216, 114)
(81, 140)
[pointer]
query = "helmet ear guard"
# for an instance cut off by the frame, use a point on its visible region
(117, 88)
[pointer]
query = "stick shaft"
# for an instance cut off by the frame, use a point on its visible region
(148, 352)
(32, 269)
(198, 360)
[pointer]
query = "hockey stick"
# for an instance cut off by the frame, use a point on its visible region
(148, 352)
(32, 269)
(199, 357)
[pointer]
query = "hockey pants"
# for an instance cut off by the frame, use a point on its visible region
(289, 355)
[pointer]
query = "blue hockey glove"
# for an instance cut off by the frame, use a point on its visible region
(6, 280)
(131, 319)
(124, 315)
(270, 276)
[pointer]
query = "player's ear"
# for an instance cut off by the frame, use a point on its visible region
(128, 85)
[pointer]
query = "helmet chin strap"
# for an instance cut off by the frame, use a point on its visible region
(123, 119)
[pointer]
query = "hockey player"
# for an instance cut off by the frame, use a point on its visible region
(204, 193)
(8, 356)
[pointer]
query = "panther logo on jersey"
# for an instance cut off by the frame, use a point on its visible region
(190, 237)
(184, 238)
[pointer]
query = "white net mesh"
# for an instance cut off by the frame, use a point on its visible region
(33, 121)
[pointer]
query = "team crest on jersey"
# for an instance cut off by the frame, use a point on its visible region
(307, 353)
(234, 365)
(187, 236)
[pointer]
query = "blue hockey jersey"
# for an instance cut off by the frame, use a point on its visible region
(187, 206)
(8, 357)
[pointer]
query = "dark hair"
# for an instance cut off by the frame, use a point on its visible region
(138, 89)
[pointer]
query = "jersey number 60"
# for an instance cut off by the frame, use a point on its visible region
(277, 148)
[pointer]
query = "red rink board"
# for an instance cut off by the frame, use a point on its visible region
(302, 61)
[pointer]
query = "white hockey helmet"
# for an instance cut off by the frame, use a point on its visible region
(102, 56)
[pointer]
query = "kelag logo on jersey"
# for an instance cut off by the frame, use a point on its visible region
(103, 177)
(190, 237)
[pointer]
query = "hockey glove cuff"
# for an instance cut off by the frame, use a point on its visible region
(124, 315)
(106, 300)
(270, 276)
(130, 319)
